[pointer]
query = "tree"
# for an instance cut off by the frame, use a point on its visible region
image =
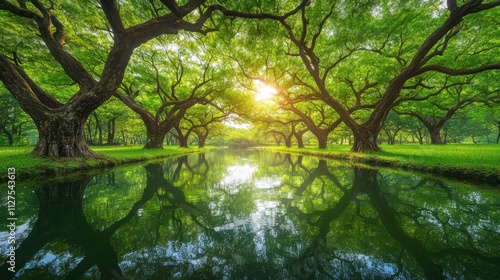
(393, 125)
(269, 119)
(494, 115)
(201, 120)
(317, 118)
(378, 51)
(170, 83)
(12, 118)
(61, 124)
(472, 124)
(441, 108)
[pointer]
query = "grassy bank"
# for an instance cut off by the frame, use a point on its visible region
(478, 163)
(30, 167)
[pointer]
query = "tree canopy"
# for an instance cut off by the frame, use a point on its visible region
(153, 72)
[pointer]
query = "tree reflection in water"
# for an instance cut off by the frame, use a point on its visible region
(291, 217)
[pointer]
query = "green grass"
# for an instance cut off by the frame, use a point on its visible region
(479, 162)
(475, 162)
(457, 155)
(28, 166)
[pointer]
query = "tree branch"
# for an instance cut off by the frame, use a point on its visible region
(113, 17)
(456, 72)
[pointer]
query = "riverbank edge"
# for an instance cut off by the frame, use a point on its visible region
(470, 174)
(68, 167)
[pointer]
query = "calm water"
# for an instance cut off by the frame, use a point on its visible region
(254, 215)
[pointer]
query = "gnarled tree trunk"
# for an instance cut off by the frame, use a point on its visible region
(155, 136)
(202, 137)
(62, 136)
(365, 139)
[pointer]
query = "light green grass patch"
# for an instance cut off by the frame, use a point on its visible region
(28, 166)
(479, 162)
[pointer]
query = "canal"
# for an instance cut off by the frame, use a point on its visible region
(253, 214)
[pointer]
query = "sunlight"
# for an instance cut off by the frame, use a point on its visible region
(263, 91)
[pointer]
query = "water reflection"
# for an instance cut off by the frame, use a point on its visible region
(225, 215)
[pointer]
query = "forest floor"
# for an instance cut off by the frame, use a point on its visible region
(29, 167)
(479, 163)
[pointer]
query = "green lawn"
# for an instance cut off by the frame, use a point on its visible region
(459, 155)
(28, 166)
(465, 161)
(479, 162)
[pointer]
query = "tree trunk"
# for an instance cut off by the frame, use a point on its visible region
(498, 135)
(98, 127)
(298, 135)
(389, 137)
(322, 140)
(365, 140)
(300, 140)
(111, 131)
(9, 136)
(288, 141)
(89, 134)
(60, 136)
(155, 137)
(420, 137)
(201, 142)
(278, 139)
(124, 137)
(183, 141)
(435, 133)
(202, 138)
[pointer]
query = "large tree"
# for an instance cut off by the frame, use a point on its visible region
(114, 34)
(164, 84)
(363, 56)
(61, 124)
(200, 120)
(436, 110)
(316, 118)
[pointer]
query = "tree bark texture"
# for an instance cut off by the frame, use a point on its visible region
(155, 136)
(365, 140)
(435, 133)
(62, 137)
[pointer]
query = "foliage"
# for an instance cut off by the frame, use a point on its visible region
(338, 68)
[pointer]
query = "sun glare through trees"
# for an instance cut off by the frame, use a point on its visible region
(263, 92)
(363, 74)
